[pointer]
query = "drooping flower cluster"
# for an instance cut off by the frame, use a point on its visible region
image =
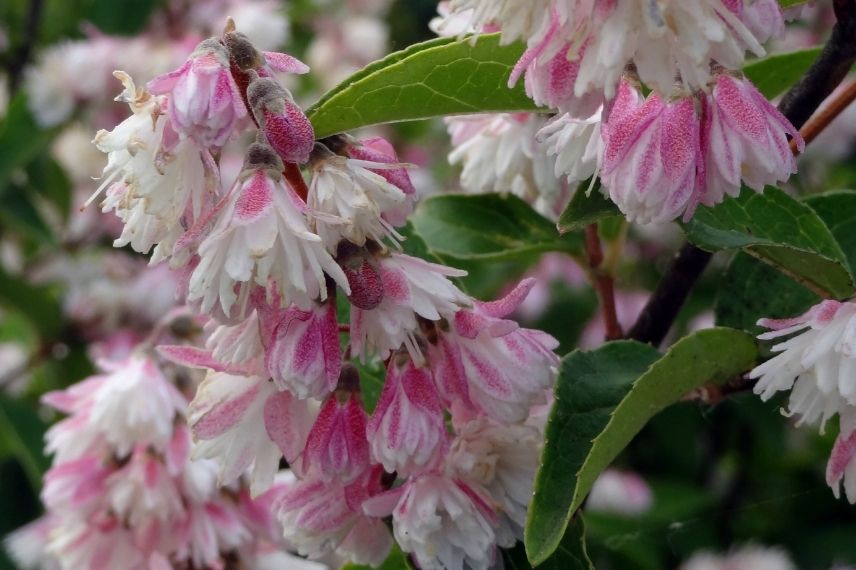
(274, 262)
(817, 364)
(702, 131)
(123, 491)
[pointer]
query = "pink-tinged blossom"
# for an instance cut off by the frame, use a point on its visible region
(205, 103)
(551, 69)
(841, 468)
(517, 20)
(239, 344)
(337, 447)
(501, 153)
(321, 517)
(486, 360)
(743, 137)
(764, 18)
(619, 492)
(502, 459)
(157, 184)
(379, 150)
(347, 200)
(748, 557)
(441, 521)
(407, 430)
(260, 234)
(302, 351)
(77, 485)
(143, 489)
(133, 400)
(244, 423)
(817, 363)
(412, 288)
(652, 156)
(576, 144)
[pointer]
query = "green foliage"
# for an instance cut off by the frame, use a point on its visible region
(775, 74)
(751, 289)
(778, 230)
(603, 399)
(571, 554)
(488, 227)
(21, 435)
(585, 209)
(436, 78)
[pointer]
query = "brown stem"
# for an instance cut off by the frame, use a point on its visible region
(604, 283)
(820, 120)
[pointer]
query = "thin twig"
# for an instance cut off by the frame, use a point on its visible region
(604, 283)
(798, 104)
(820, 120)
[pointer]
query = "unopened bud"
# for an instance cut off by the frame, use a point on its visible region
(241, 52)
(363, 274)
(285, 126)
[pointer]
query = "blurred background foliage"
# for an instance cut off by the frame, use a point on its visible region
(722, 475)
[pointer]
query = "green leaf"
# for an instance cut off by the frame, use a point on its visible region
(488, 226)
(789, 3)
(434, 79)
(778, 230)
(18, 212)
(128, 17)
(590, 386)
(837, 209)
(571, 554)
(584, 209)
(774, 74)
(36, 303)
(22, 432)
(395, 561)
(372, 379)
(603, 399)
(751, 289)
(21, 140)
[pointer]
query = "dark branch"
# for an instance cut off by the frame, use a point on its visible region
(828, 71)
(798, 104)
(21, 56)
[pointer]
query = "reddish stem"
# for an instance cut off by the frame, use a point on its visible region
(822, 118)
(604, 284)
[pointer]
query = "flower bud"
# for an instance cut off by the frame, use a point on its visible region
(285, 126)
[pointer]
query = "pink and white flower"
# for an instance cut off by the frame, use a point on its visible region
(379, 150)
(337, 447)
(841, 468)
(652, 156)
(485, 362)
(205, 103)
(743, 137)
(262, 234)
(347, 200)
(407, 430)
(441, 521)
(302, 352)
(817, 364)
(245, 424)
(503, 460)
(320, 517)
(411, 288)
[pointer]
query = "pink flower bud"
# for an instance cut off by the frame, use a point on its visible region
(652, 157)
(337, 446)
(303, 354)
(363, 274)
(285, 126)
(205, 103)
(407, 428)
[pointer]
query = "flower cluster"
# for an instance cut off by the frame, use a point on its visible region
(274, 262)
(123, 492)
(702, 132)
